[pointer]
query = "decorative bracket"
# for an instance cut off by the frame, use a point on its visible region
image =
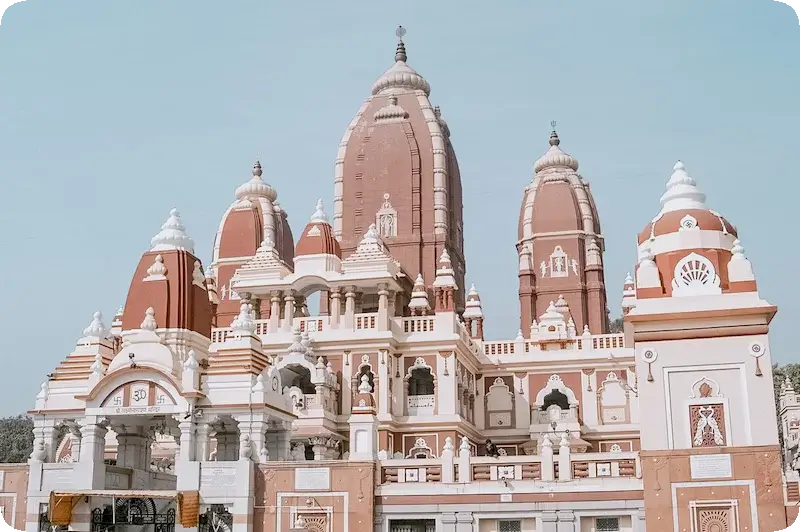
(649, 355)
(756, 351)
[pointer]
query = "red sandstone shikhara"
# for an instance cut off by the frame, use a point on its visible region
(217, 401)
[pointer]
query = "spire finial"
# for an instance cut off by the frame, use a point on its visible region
(400, 54)
(554, 140)
(319, 215)
(257, 169)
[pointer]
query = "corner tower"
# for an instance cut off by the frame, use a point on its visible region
(397, 169)
(560, 245)
(709, 442)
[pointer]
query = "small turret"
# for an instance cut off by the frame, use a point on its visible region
(444, 285)
(419, 304)
(474, 314)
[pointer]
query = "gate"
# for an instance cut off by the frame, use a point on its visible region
(215, 519)
(136, 512)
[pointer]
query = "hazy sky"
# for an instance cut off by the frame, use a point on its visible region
(114, 112)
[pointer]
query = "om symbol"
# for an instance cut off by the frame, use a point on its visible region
(139, 395)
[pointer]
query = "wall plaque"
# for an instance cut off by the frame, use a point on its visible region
(711, 466)
(312, 478)
(56, 478)
(217, 477)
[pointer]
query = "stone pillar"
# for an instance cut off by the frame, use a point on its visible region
(186, 447)
(448, 461)
(243, 495)
(336, 308)
(383, 308)
(567, 522)
(546, 450)
(549, 522)
(255, 426)
(90, 471)
(464, 469)
(449, 522)
(45, 445)
(319, 447)
(464, 522)
(378, 522)
(350, 308)
(638, 521)
(288, 312)
(284, 441)
(75, 435)
(275, 312)
(202, 435)
(564, 462)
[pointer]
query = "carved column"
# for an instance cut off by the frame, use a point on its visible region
(383, 308)
(186, 449)
(202, 432)
(288, 312)
(349, 308)
(319, 447)
(75, 446)
(284, 441)
(336, 308)
(255, 427)
(275, 312)
(90, 471)
(549, 522)
(567, 522)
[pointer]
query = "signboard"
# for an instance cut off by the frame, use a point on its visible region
(133, 410)
(312, 478)
(217, 477)
(706, 466)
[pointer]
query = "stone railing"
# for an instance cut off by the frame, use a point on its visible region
(419, 324)
(411, 470)
(311, 324)
(458, 467)
(578, 343)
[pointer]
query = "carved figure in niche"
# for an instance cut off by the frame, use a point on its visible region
(706, 423)
(558, 263)
(386, 218)
(387, 225)
(543, 267)
(575, 267)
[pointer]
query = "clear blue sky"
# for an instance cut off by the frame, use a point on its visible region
(114, 112)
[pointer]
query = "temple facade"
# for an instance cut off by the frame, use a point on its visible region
(219, 398)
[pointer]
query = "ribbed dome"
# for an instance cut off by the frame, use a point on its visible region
(256, 187)
(555, 157)
(401, 76)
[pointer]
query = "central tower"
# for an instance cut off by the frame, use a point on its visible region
(396, 168)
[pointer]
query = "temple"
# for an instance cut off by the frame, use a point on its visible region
(220, 398)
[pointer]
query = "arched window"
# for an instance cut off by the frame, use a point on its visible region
(299, 377)
(557, 398)
(421, 382)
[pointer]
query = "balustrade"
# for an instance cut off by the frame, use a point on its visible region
(583, 467)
